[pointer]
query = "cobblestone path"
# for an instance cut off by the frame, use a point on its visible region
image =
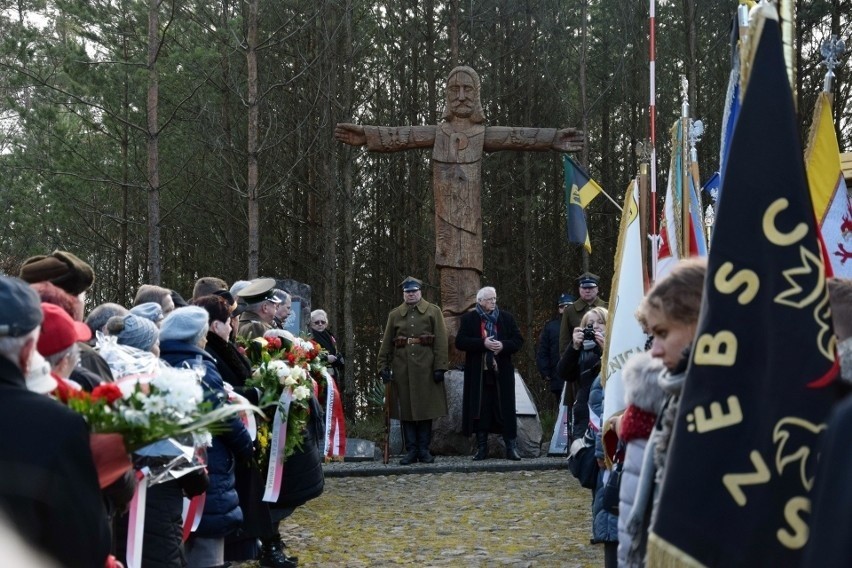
(515, 518)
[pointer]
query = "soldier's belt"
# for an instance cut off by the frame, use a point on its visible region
(422, 340)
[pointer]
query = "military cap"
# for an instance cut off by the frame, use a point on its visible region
(60, 268)
(20, 308)
(588, 280)
(411, 284)
(565, 299)
(259, 290)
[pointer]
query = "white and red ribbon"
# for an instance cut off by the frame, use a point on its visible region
(192, 511)
(136, 519)
(246, 416)
(275, 470)
(335, 426)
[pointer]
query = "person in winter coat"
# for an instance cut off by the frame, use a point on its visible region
(832, 499)
(547, 354)
(581, 363)
(322, 335)
(414, 357)
(644, 398)
(303, 478)
(182, 340)
(604, 522)
(670, 313)
(235, 369)
(49, 485)
(489, 337)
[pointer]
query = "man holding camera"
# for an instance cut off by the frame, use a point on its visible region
(588, 292)
(414, 357)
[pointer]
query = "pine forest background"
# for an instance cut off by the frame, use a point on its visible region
(164, 140)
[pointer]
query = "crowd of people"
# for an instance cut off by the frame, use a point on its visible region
(53, 490)
(50, 349)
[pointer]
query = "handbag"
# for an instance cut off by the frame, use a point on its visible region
(582, 463)
(612, 489)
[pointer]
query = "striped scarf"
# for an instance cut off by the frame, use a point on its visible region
(490, 322)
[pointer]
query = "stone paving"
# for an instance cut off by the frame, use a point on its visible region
(454, 512)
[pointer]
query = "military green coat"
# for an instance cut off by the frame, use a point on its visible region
(414, 395)
(251, 326)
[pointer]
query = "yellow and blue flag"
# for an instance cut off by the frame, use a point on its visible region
(580, 190)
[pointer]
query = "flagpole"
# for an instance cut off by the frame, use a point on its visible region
(684, 169)
(652, 115)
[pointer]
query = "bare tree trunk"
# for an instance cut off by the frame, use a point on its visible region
(154, 265)
(691, 49)
(348, 223)
(228, 146)
(454, 33)
(125, 189)
(584, 10)
(252, 137)
(584, 155)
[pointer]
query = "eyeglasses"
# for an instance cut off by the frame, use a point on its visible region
(319, 322)
(494, 299)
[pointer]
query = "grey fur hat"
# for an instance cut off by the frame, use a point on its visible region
(641, 388)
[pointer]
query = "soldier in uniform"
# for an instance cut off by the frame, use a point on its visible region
(588, 292)
(261, 305)
(415, 347)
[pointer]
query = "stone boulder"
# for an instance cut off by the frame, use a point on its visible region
(448, 440)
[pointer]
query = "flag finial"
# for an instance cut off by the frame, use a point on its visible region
(831, 50)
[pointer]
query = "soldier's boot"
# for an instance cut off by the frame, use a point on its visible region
(481, 446)
(424, 438)
(272, 554)
(409, 431)
(512, 449)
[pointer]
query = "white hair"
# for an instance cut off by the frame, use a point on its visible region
(316, 313)
(484, 291)
(10, 347)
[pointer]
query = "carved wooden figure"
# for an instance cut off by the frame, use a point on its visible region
(457, 145)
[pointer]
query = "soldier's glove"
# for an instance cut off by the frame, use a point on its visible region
(385, 375)
(438, 376)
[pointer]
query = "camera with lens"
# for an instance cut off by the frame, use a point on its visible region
(589, 337)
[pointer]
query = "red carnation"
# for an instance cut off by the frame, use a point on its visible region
(108, 391)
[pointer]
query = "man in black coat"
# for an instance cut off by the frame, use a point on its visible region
(48, 483)
(547, 355)
(489, 337)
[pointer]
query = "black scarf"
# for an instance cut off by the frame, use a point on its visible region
(237, 367)
(326, 340)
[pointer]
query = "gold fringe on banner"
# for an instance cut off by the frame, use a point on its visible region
(663, 554)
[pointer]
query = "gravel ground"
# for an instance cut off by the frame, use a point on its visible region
(523, 514)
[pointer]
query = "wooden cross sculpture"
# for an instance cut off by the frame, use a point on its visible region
(457, 144)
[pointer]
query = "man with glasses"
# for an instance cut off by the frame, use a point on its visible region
(414, 356)
(261, 305)
(489, 337)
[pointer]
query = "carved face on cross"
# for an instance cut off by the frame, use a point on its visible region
(463, 95)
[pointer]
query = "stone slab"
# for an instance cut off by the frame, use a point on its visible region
(359, 450)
